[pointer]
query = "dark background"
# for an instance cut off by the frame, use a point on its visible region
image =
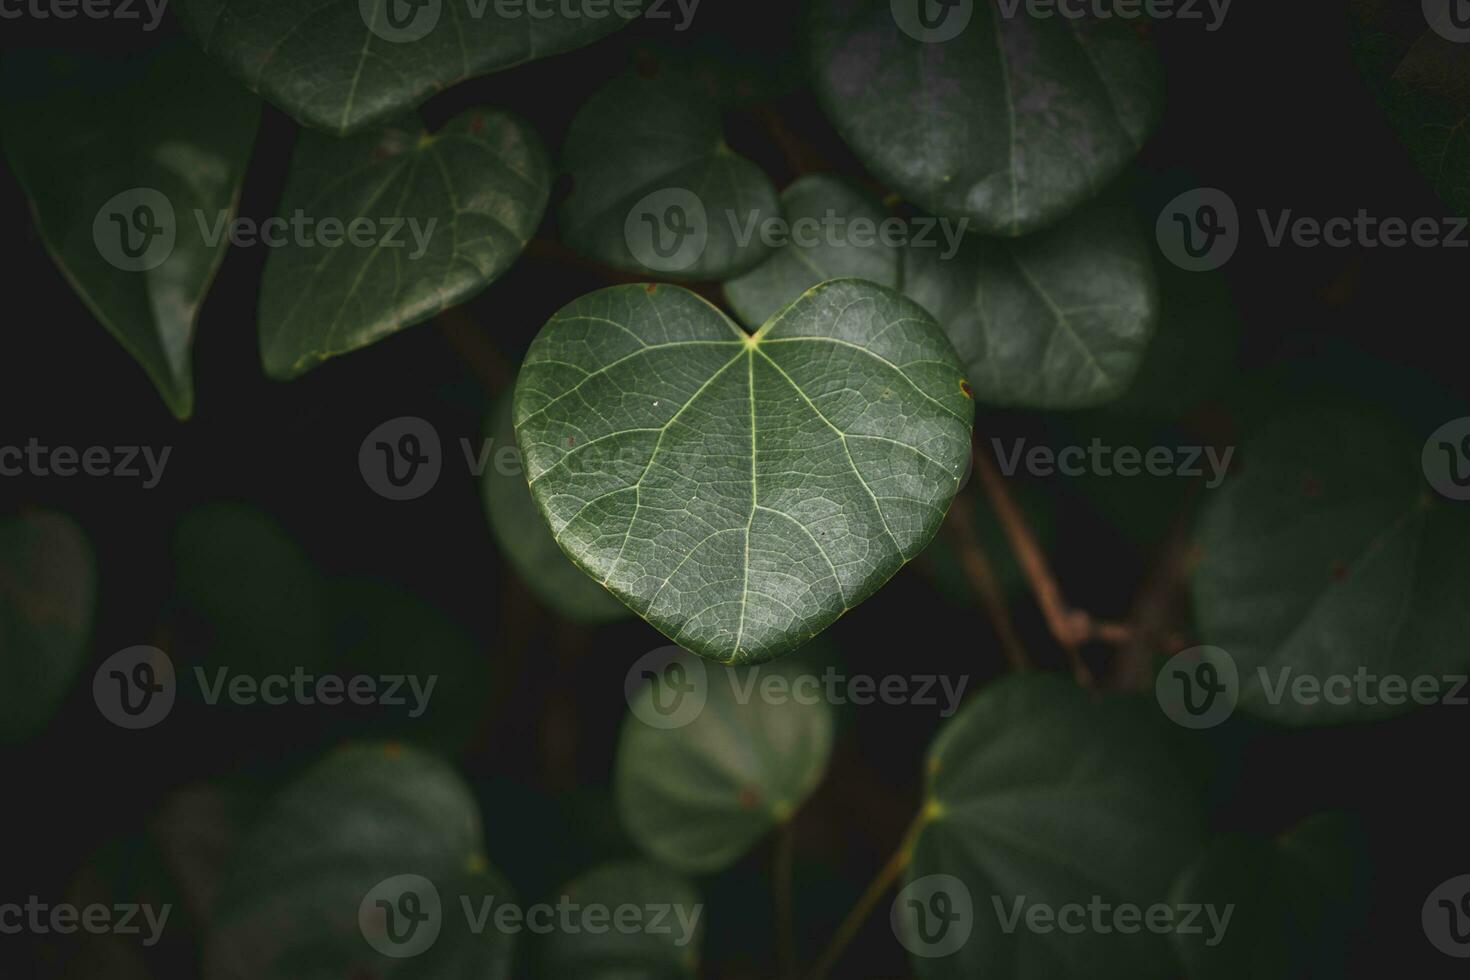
(1270, 109)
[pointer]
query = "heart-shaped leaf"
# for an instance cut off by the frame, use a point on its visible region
(342, 64)
(1041, 795)
(440, 217)
(666, 950)
(1329, 557)
(48, 586)
(1058, 320)
(359, 868)
(526, 541)
(1291, 903)
(709, 760)
(1009, 120)
(740, 492)
(1422, 79)
(655, 190)
(821, 213)
(130, 166)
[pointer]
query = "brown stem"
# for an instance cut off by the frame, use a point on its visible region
(1071, 627)
(879, 886)
(474, 349)
(982, 579)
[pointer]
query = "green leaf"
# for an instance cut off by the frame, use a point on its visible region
(526, 541)
(130, 166)
(796, 267)
(371, 823)
(1012, 122)
(381, 630)
(258, 599)
(1292, 903)
(48, 587)
(343, 64)
(1059, 320)
(616, 954)
(656, 190)
(732, 765)
(1328, 555)
(1042, 795)
(443, 216)
(741, 492)
(1423, 82)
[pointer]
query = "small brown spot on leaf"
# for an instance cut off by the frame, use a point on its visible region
(965, 387)
(651, 288)
(748, 798)
(393, 750)
(477, 124)
(571, 440)
(1339, 571)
